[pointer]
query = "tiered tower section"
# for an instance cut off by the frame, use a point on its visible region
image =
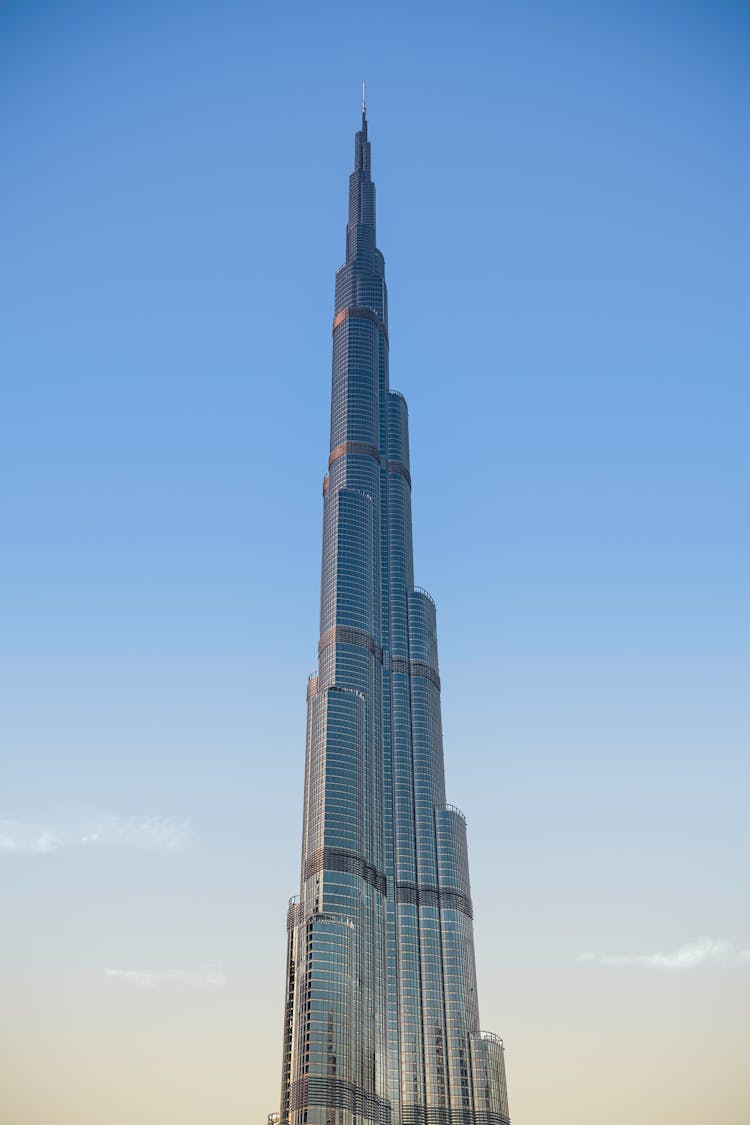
(381, 1019)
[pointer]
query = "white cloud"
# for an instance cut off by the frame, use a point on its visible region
(30, 839)
(94, 830)
(211, 977)
(152, 833)
(705, 951)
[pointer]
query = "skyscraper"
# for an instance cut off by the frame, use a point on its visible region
(381, 1021)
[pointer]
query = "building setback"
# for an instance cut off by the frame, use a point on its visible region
(381, 1021)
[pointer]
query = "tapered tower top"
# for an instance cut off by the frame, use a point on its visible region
(360, 240)
(362, 148)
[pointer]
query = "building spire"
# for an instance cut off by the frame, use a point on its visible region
(360, 231)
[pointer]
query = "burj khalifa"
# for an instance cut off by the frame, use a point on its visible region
(381, 1021)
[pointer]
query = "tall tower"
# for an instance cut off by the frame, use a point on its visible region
(381, 1022)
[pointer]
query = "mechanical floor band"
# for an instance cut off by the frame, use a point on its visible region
(349, 635)
(338, 859)
(334, 1093)
(434, 896)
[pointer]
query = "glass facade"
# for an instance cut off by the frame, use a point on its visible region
(381, 1021)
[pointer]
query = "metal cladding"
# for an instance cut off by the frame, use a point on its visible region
(381, 1022)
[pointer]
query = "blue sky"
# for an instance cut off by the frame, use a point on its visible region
(562, 204)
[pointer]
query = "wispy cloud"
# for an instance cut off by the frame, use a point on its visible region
(94, 830)
(211, 977)
(152, 833)
(704, 951)
(31, 839)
